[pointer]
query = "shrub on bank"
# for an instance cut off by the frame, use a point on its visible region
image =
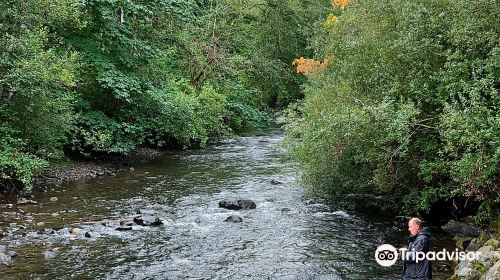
(408, 105)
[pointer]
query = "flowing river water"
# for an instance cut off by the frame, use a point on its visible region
(285, 237)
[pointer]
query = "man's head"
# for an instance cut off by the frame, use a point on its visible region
(414, 226)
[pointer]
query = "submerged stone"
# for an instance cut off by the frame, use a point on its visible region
(233, 219)
(240, 204)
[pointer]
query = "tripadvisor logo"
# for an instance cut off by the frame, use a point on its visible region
(387, 255)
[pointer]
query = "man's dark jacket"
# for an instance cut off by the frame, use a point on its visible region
(423, 269)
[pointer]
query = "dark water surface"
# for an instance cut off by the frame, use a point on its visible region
(286, 237)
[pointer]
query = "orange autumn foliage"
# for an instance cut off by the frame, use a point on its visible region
(309, 66)
(341, 3)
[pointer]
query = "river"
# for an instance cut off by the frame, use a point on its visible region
(285, 237)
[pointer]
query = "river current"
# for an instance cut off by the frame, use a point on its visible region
(286, 237)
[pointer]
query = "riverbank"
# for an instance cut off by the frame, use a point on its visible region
(88, 169)
(84, 169)
(487, 265)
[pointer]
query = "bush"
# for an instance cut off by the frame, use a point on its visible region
(211, 111)
(243, 111)
(95, 132)
(36, 95)
(15, 163)
(170, 114)
(408, 105)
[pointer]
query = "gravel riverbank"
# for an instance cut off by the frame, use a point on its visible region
(83, 170)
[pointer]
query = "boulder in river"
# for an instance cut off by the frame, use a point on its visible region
(461, 229)
(146, 220)
(124, 228)
(233, 219)
(240, 204)
(275, 182)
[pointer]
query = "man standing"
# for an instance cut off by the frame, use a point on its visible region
(417, 242)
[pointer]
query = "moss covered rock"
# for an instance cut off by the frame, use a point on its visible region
(493, 243)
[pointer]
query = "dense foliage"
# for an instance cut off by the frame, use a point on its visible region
(401, 98)
(93, 77)
(408, 105)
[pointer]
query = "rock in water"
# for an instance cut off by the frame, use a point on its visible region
(285, 210)
(461, 229)
(49, 255)
(123, 228)
(22, 201)
(48, 231)
(240, 204)
(247, 204)
(4, 257)
(234, 219)
(147, 221)
(275, 182)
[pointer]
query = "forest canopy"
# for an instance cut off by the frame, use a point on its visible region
(86, 78)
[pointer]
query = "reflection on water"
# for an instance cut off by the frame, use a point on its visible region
(284, 238)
